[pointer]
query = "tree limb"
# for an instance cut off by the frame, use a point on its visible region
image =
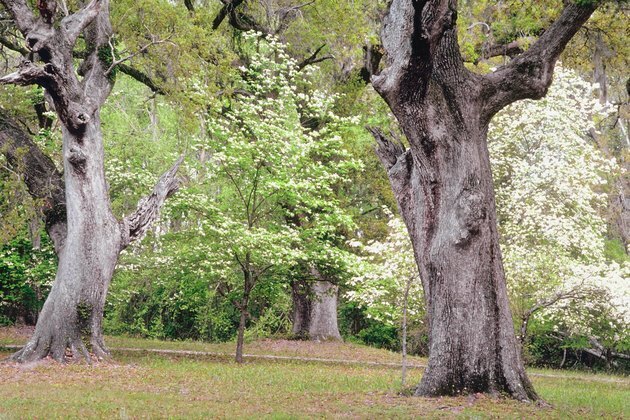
(314, 59)
(74, 24)
(530, 74)
(141, 77)
(22, 14)
(42, 179)
(141, 50)
(398, 162)
(137, 224)
(228, 7)
(27, 74)
(511, 50)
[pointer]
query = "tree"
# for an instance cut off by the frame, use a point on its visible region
(277, 213)
(443, 185)
(552, 186)
(89, 246)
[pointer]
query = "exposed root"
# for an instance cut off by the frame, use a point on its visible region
(99, 349)
(62, 350)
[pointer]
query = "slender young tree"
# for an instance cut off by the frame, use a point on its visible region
(443, 185)
(90, 241)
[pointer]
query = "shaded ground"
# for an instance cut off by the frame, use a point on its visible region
(150, 386)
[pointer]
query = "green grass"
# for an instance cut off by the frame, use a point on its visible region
(154, 386)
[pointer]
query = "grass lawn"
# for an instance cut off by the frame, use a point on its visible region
(149, 386)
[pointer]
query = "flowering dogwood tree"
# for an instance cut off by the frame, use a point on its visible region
(278, 158)
(387, 283)
(552, 191)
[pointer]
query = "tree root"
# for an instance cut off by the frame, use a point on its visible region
(68, 350)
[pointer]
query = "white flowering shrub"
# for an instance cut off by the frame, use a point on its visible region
(551, 186)
(384, 270)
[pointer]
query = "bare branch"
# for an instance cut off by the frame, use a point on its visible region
(388, 150)
(142, 49)
(511, 50)
(141, 77)
(228, 7)
(137, 224)
(13, 46)
(372, 56)
(529, 75)
(314, 59)
(22, 14)
(398, 162)
(27, 74)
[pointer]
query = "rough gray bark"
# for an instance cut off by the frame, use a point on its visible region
(70, 323)
(323, 322)
(315, 308)
(443, 185)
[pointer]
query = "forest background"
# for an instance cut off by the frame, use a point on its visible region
(285, 224)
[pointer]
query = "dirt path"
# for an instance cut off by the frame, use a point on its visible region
(229, 356)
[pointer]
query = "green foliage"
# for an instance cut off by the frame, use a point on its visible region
(380, 335)
(26, 276)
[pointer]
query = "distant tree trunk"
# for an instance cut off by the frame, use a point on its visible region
(315, 308)
(92, 238)
(301, 297)
(323, 325)
(443, 185)
(600, 54)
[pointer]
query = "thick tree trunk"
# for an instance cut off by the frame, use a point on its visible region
(448, 207)
(89, 238)
(323, 325)
(72, 315)
(301, 296)
(443, 185)
(315, 308)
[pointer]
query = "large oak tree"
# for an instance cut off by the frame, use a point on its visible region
(443, 185)
(87, 236)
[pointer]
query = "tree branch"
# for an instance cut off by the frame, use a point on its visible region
(141, 77)
(511, 50)
(27, 74)
(530, 74)
(22, 14)
(314, 59)
(228, 7)
(74, 24)
(142, 49)
(13, 46)
(42, 179)
(372, 56)
(398, 163)
(137, 224)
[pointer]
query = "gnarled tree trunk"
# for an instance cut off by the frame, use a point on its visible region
(443, 185)
(89, 240)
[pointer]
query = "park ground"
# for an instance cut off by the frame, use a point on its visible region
(281, 379)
